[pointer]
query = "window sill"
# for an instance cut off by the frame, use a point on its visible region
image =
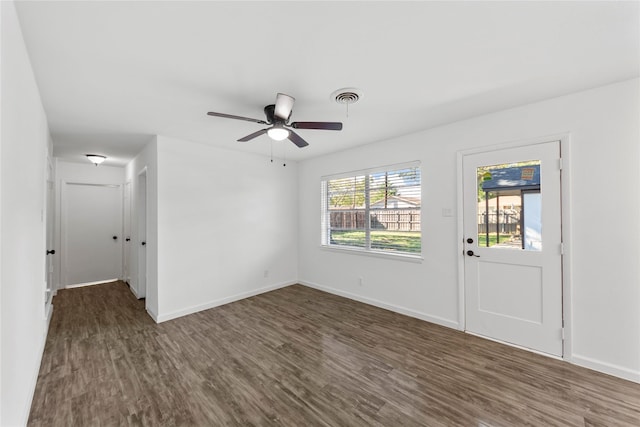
(375, 254)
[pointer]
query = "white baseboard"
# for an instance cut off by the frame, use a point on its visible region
(391, 307)
(153, 315)
(34, 375)
(134, 292)
(211, 304)
(48, 316)
(99, 282)
(606, 368)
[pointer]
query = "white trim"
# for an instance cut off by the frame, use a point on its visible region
(567, 294)
(565, 174)
(460, 224)
(518, 143)
(152, 314)
(530, 350)
(82, 285)
(373, 253)
(138, 240)
(34, 376)
(222, 301)
(607, 368)
(391, 307)
(48, 315)
(133, 291)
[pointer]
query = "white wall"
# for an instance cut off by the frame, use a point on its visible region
(605, 209)
(24, 149)
(79, 173)
(224, 219)
(146, 160)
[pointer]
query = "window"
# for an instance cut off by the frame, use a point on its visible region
(377, 210)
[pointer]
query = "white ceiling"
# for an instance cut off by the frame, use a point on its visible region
(112, 74)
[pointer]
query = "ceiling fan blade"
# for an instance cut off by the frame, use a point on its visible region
(297, 139)
(317, 125)
(253, 135)
(231, 116)
(284, 105)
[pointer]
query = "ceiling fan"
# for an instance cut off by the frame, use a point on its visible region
(278, 115)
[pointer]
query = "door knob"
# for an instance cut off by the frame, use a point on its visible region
(127, 239)
(470, 253)
(115, 237)
(143, 243)
(51, 252)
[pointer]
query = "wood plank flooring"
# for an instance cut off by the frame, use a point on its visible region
(300, 357)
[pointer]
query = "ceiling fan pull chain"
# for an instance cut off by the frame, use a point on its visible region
(271, 151)
(284, 155)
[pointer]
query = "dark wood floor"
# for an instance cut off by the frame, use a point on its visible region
(300, 357)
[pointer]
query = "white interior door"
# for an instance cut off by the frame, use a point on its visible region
(513, 261)
(92, 227)
(127, 233)
(50, 285)
(141, 286)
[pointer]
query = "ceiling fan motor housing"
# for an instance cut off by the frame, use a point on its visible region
(269, 112)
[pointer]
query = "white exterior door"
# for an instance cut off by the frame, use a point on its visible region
(512, 249)
(92, 233)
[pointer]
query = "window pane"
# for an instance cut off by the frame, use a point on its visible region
(346, 193)
(346, 205)
(348, 238)
(509, 206)
(532, 221)
(396, 241)
(394, 215)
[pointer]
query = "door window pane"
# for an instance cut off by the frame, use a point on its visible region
(509, 206)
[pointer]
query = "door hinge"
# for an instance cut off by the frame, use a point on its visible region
(561, 248)
(560, 163)
(562, 333)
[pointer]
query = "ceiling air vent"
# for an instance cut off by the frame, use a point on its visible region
(348, 95)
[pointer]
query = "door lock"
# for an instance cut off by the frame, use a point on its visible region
(470, 253)
(469, 240)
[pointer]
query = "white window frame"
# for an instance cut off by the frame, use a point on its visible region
(367, 250)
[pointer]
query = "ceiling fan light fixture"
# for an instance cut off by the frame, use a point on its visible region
(278, 133)
(96, 159)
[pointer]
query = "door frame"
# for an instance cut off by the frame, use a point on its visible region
(142, 222)
(565, 204)
(126, 232)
